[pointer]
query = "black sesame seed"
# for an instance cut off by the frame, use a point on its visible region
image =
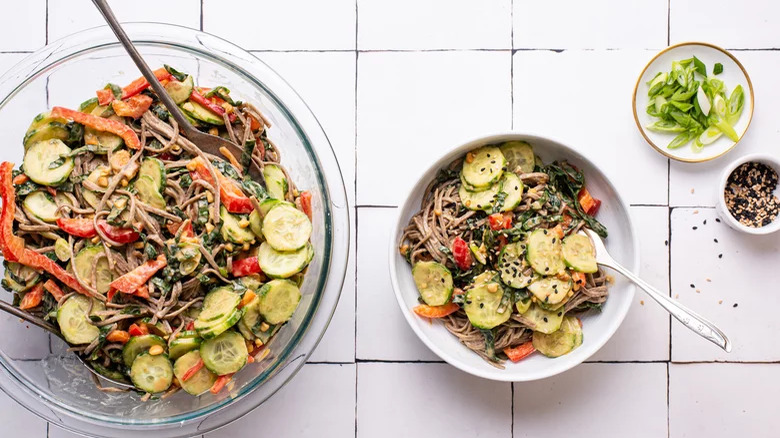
(720, 256)
(715, 240)
(553, 241)
(442, 280)
(695, 228)
(481, 305)
(717, 220)
(560, 313)
(488, 155)
(666, 243)
(545, 319)
(692, 286)
(493, 162)
(735, 305)
(468, 301)
(705, 222)
(546, 269)
(545, 232)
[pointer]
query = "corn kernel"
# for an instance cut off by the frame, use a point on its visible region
(176, 149)
(156, 350)
(296, 193)
(470, 157)
(209, 227)
(264, 327)
(468, 203)
(138, 245)
(138, 226)
(246, 246)
(437, 212)
(404, 249)
(258, 343)
(492, 288)
(102, 181)
(209, 197)
(96, 239)
(119, 159)
(229, 247)
(243, 223)
(214, 131)
(121, 202)
(192, 165)
(125, 182)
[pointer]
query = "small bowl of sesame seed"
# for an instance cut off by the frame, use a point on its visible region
(748, 196)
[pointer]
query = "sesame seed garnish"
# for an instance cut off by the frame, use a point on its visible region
(749, 194)
(642, 302)
(666, 243)
(735, 305)
(717, 220)
(545, 319)
(693, 286)
(705, 222)
(695, 228)
(720, 256)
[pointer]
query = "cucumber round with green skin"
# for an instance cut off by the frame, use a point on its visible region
(188, 256)
(544, 321)
(198, 383)
(224, 354)
(45, 127)
(219, 303)
(550, 290)
(231, 230)
(102, 140)
(24, 274)
(256, 223)
(149, 193)
(93, 257)
(579, 253)
(543, 252)
(74, 322)
(154, 169)
(41, 205)
(210, 329)
(277, 264)
(267, 204)
(512, 188)
(200, 112)
(88, 105)
(486, 167)
(152, 374)
(482, 307)
(481, 200)
(250, 319)
(138, 345)
(278, 301)
(93, 198)
(514, 267)
(522, 306)
(286, 228)
(41, 156)
(434, 282)
(275, 181)
(560, 342)
(183, 345)
(180, 91)
(519, 156)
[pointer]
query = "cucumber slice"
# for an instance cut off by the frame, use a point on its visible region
(560, 342)
(138, 345)
(210, 329)
(513, 266)
(199, 382)
(62, 250)
(87, 260)
(550, 290)
(486, 168)
(265, 336)
(276, 264)
(88, 105)
(286, 228)
(15, 275)
(275, 181)
(434, 281)
(225, 354)
(231, 230)
(41, 205)
(93, 198)
(73, 320)
(251, 281)
(200, 112)
(544, 252)
(519, 156)
(107, 372)
(256, 223)
(251, 319)
(105, 141)
(219, 303)
(188, 256)
(45, 127)
(544, 321)
(149, 193)
(512, 186)
(278, 300)
(579, 253)
(152, 374)
(183, 345)
(154, 169)
(523, 305)
(268, 203)
(180, 91)
(41, 156)
(484, 278)
(482, 307)
(481, 200)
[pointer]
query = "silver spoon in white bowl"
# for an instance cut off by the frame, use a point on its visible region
(687, 317)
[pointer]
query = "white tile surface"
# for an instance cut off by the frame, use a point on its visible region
(741, 277)
(421, 105)
(644, 334)
(434, 24)
(283, 25)
(319, 402)
(382, 331)
(723, 400)
(23, 27)
(570, 24)
(696, 184)
(548, 101)
(594, 400)
(19, 420)
(67, 16)
(402, 400)
(751, 23)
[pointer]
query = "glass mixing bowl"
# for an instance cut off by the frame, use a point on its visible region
(35, 368)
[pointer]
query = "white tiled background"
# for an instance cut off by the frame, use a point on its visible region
(394, 79)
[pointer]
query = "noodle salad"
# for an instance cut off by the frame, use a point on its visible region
(161, 265)
(497, 256)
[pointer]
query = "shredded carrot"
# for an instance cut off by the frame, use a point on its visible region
(20, 179)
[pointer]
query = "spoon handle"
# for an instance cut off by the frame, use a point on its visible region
(687, 317)
(21, 314)
(147, 72)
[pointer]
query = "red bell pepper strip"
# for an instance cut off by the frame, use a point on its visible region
(142, 292)
(133, 107)
(436, 311)
(101, 124)
(8, 193)
(77, 227)
(246, 266)
(117, 234)
(105, 96)
(306, 203)
(53, 289)
(137, 330)
(589, 204)
(516, 354)
(213, 107)
(32, 298)
(220, 383)
(191, 372)
(142, 84)
(231, 196)
(21, 179)
(254, 124)
(500, 221)
(190, 325)
(462, 254)
(133, 280)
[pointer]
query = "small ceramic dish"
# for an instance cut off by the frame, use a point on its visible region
(733, 74)
(723, 211)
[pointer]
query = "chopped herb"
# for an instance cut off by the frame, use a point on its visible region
(717, 68)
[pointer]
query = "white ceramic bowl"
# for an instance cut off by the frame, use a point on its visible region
(723, 212)
(597, 327)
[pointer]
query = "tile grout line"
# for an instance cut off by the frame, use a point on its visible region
(512, 68)
(512, 410)
(201, 15)
(46, 24)
(668, 21)
(668, 402)
(355, 177)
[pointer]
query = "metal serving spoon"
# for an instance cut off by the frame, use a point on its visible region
(206, 142)
(34, 320)
(687, 317)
